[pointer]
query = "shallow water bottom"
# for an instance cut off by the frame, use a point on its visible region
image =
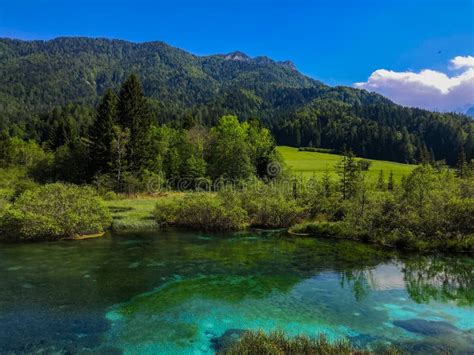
(180, 292)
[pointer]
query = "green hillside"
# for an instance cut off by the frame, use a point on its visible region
(314, 164)
(47, 83)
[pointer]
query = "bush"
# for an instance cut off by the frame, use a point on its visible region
(55, 211)
(322, 229)
(4, 205)
(269, 207)
(166, 211)
(364, 165)
(13, 181)
(202, 211)
(459, 216)
(317, 150)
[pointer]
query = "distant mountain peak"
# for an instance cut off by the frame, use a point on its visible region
(242, 57)
(237, 55)
(289, 64)
(470, 112)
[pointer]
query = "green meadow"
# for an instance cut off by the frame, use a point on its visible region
(314, 164)
(132, 214)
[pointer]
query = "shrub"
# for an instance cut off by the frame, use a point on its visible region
(269, 207)
(459, 216)
(166, 211)
(317, 150)
(13, 181)
(4, 205)
(322, 229)
(364, 165)
(55, 211)
(202, 211)
(228, 210)
(110, 196)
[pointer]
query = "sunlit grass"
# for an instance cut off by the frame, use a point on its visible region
(131, 214)
(314, 164)
(135, 213)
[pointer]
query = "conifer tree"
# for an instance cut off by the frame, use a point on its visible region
(119, 149)
(391, 182)
(326, 182)
(349, 174)
(5, 144)
(101, 134)
(462, 166)
(424, 156)
(134, 115)
(381, 181)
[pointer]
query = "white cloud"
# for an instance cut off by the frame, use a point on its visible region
(428, 89)
(463, 62)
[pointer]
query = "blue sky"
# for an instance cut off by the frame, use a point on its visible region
(338, 42)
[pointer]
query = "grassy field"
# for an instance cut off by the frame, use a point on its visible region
(313, 164)
(133, 214)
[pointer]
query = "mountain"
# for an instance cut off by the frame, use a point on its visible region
(37, 76)
(42, 74)
(470, 112)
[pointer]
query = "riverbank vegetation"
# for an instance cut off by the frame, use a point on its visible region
(254, 205)
(430, 209)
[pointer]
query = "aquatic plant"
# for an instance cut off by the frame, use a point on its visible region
(278, 343)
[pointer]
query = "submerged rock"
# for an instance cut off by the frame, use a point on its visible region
(426, 327)
(229, 337)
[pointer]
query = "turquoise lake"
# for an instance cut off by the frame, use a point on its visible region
(189, 293)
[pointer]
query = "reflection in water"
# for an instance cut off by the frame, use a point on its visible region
(440, 279)
(180, 292)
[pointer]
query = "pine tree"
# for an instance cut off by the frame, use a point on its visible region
(134, 114)
(5, 144)
(469, 146)
(432, 156)
(119, 150)
(381, 181)
(424, 156)
(101, 134)
(462, 166)
(349, 175)
(391, 182)
(326, 182)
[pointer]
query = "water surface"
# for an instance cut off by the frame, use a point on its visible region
(183, 292)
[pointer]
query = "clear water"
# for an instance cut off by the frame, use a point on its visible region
(181, 292)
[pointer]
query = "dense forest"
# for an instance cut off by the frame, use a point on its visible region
(49, 91)
(120, 147)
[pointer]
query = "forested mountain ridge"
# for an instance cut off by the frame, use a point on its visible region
(56, 72)
(185, 89)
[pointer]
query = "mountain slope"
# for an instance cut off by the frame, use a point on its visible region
(41, 74)
(36, 76)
